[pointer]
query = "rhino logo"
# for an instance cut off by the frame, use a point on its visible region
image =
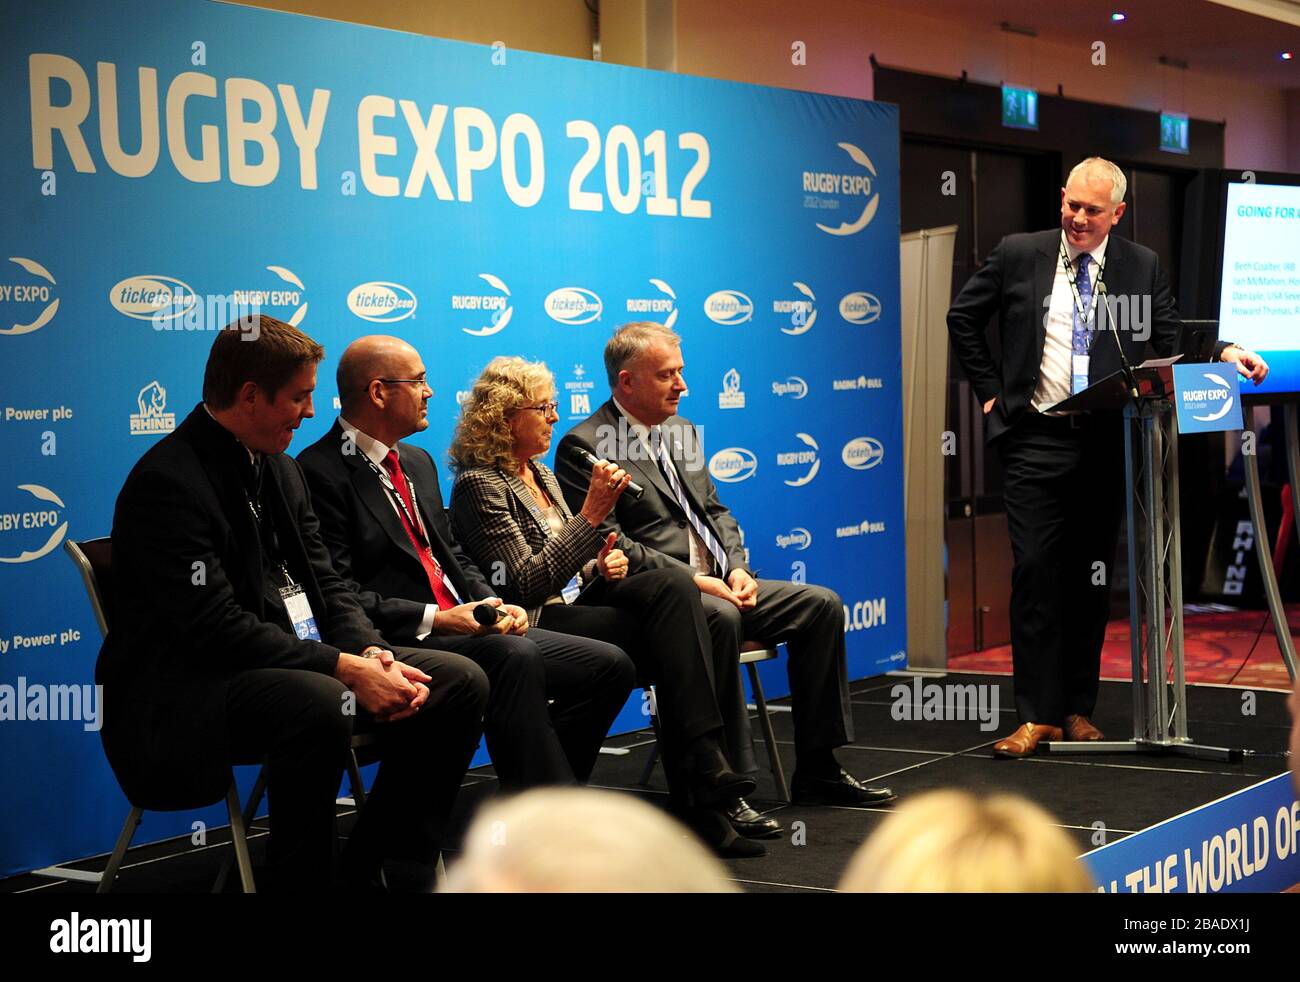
(152, 400)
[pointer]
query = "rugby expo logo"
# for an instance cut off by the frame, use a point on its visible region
(22, 528)
(733, 464)
(807, 458)
(662, 309)
(863, 453)
(495, 305)
(152, 416)
(159, 299)
(844, 189)
(728, 307)
(793, 386)
(283, 300)
(573, 305)
(1204, 399)
(381, 302)
(860, 307)
(797, 538)
(25, 299)
(801, 313)
(731, 397)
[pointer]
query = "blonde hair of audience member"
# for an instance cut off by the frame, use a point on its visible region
(954, 842)
(579, 840)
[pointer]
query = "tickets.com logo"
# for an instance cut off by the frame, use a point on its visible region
(152, 298)
(23, 299)
(733, 464)
(573, 305)
(860, 308)
(728, 307)
(863, 453)
(381, 302)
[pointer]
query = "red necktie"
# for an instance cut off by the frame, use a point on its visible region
(439, 586)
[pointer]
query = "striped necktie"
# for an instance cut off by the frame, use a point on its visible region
(701, 528)
(1081, 339)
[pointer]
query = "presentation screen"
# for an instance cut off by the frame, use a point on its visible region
(1259, 305)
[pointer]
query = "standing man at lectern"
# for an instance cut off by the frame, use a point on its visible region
(1063, 474)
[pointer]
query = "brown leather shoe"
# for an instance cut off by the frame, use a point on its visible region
(1080, 728)
(1024, 742)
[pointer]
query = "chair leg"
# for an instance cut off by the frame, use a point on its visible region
(769, 735)
(119, 850)
(250, 812)
(654, 751)
(354, 779)
(239, 839)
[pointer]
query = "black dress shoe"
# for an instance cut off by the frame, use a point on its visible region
(750, 823)
(712, 782)
(716, 832)
(805, 789)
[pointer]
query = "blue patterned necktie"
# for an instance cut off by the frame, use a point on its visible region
(1082, 335)
(701, 529)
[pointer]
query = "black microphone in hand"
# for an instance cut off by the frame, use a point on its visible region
(487, 615)
(1129, 378)
(578, 454)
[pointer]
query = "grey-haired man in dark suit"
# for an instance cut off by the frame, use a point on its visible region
(680, 522)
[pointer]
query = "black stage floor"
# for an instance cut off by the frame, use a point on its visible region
(1125, 793)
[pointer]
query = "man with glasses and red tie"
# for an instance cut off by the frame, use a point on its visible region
(553, 696)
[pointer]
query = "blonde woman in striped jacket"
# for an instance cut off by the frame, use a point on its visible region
(511, 517)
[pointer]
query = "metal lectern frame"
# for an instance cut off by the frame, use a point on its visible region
(1155, 570)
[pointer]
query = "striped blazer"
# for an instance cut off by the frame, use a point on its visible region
(499, 524)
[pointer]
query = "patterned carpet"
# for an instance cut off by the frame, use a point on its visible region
(1220, 647)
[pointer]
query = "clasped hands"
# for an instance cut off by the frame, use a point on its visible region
(739, 588)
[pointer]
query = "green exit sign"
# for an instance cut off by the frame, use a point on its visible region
(1019, 108)
(1173, 132)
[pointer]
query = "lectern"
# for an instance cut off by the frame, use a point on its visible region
(1155, 587)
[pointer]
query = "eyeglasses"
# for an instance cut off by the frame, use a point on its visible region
(407, 381)
(546, 408)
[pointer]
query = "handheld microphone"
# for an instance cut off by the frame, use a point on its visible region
(1123, 359)
(487, 615)
(577, 453)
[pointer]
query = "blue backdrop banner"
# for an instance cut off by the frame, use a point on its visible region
(171, 165)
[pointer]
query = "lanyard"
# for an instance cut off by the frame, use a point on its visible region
(397, 500)
(270, 540)
(1086, 316)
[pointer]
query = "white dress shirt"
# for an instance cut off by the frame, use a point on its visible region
(700, 556)
(1056, 372)
(377, 453)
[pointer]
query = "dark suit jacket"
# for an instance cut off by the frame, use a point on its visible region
(495, 516)
(1015, 283)
(652, 531)
(188, 614)
(368, 542)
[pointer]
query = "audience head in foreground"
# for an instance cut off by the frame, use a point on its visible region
(955, 842)
(578, 840)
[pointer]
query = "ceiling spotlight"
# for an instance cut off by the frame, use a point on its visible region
(1287, 55)
(1118, 16)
